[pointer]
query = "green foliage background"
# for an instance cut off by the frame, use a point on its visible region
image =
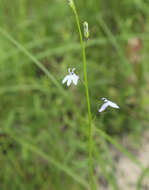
(43, 133)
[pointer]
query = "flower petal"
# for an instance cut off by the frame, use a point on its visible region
(73, 69)
(113, 105)
(103, 107)
(69, 81)
(75, 79)
(65, 79)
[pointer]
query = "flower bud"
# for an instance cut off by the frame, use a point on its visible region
(86, 32)
(70, 2)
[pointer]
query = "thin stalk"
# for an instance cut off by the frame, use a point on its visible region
(87, 97)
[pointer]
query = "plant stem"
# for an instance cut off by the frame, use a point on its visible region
(87, 98)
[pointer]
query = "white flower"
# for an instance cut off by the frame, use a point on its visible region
(71, 77)
(108, 103)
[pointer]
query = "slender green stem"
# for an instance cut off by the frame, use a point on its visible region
(87, 98)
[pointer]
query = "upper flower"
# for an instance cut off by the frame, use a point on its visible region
(71, 77)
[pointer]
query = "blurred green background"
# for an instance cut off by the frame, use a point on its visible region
(44, 132)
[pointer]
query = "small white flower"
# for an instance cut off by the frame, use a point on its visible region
(108, 103)
(71, 77)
